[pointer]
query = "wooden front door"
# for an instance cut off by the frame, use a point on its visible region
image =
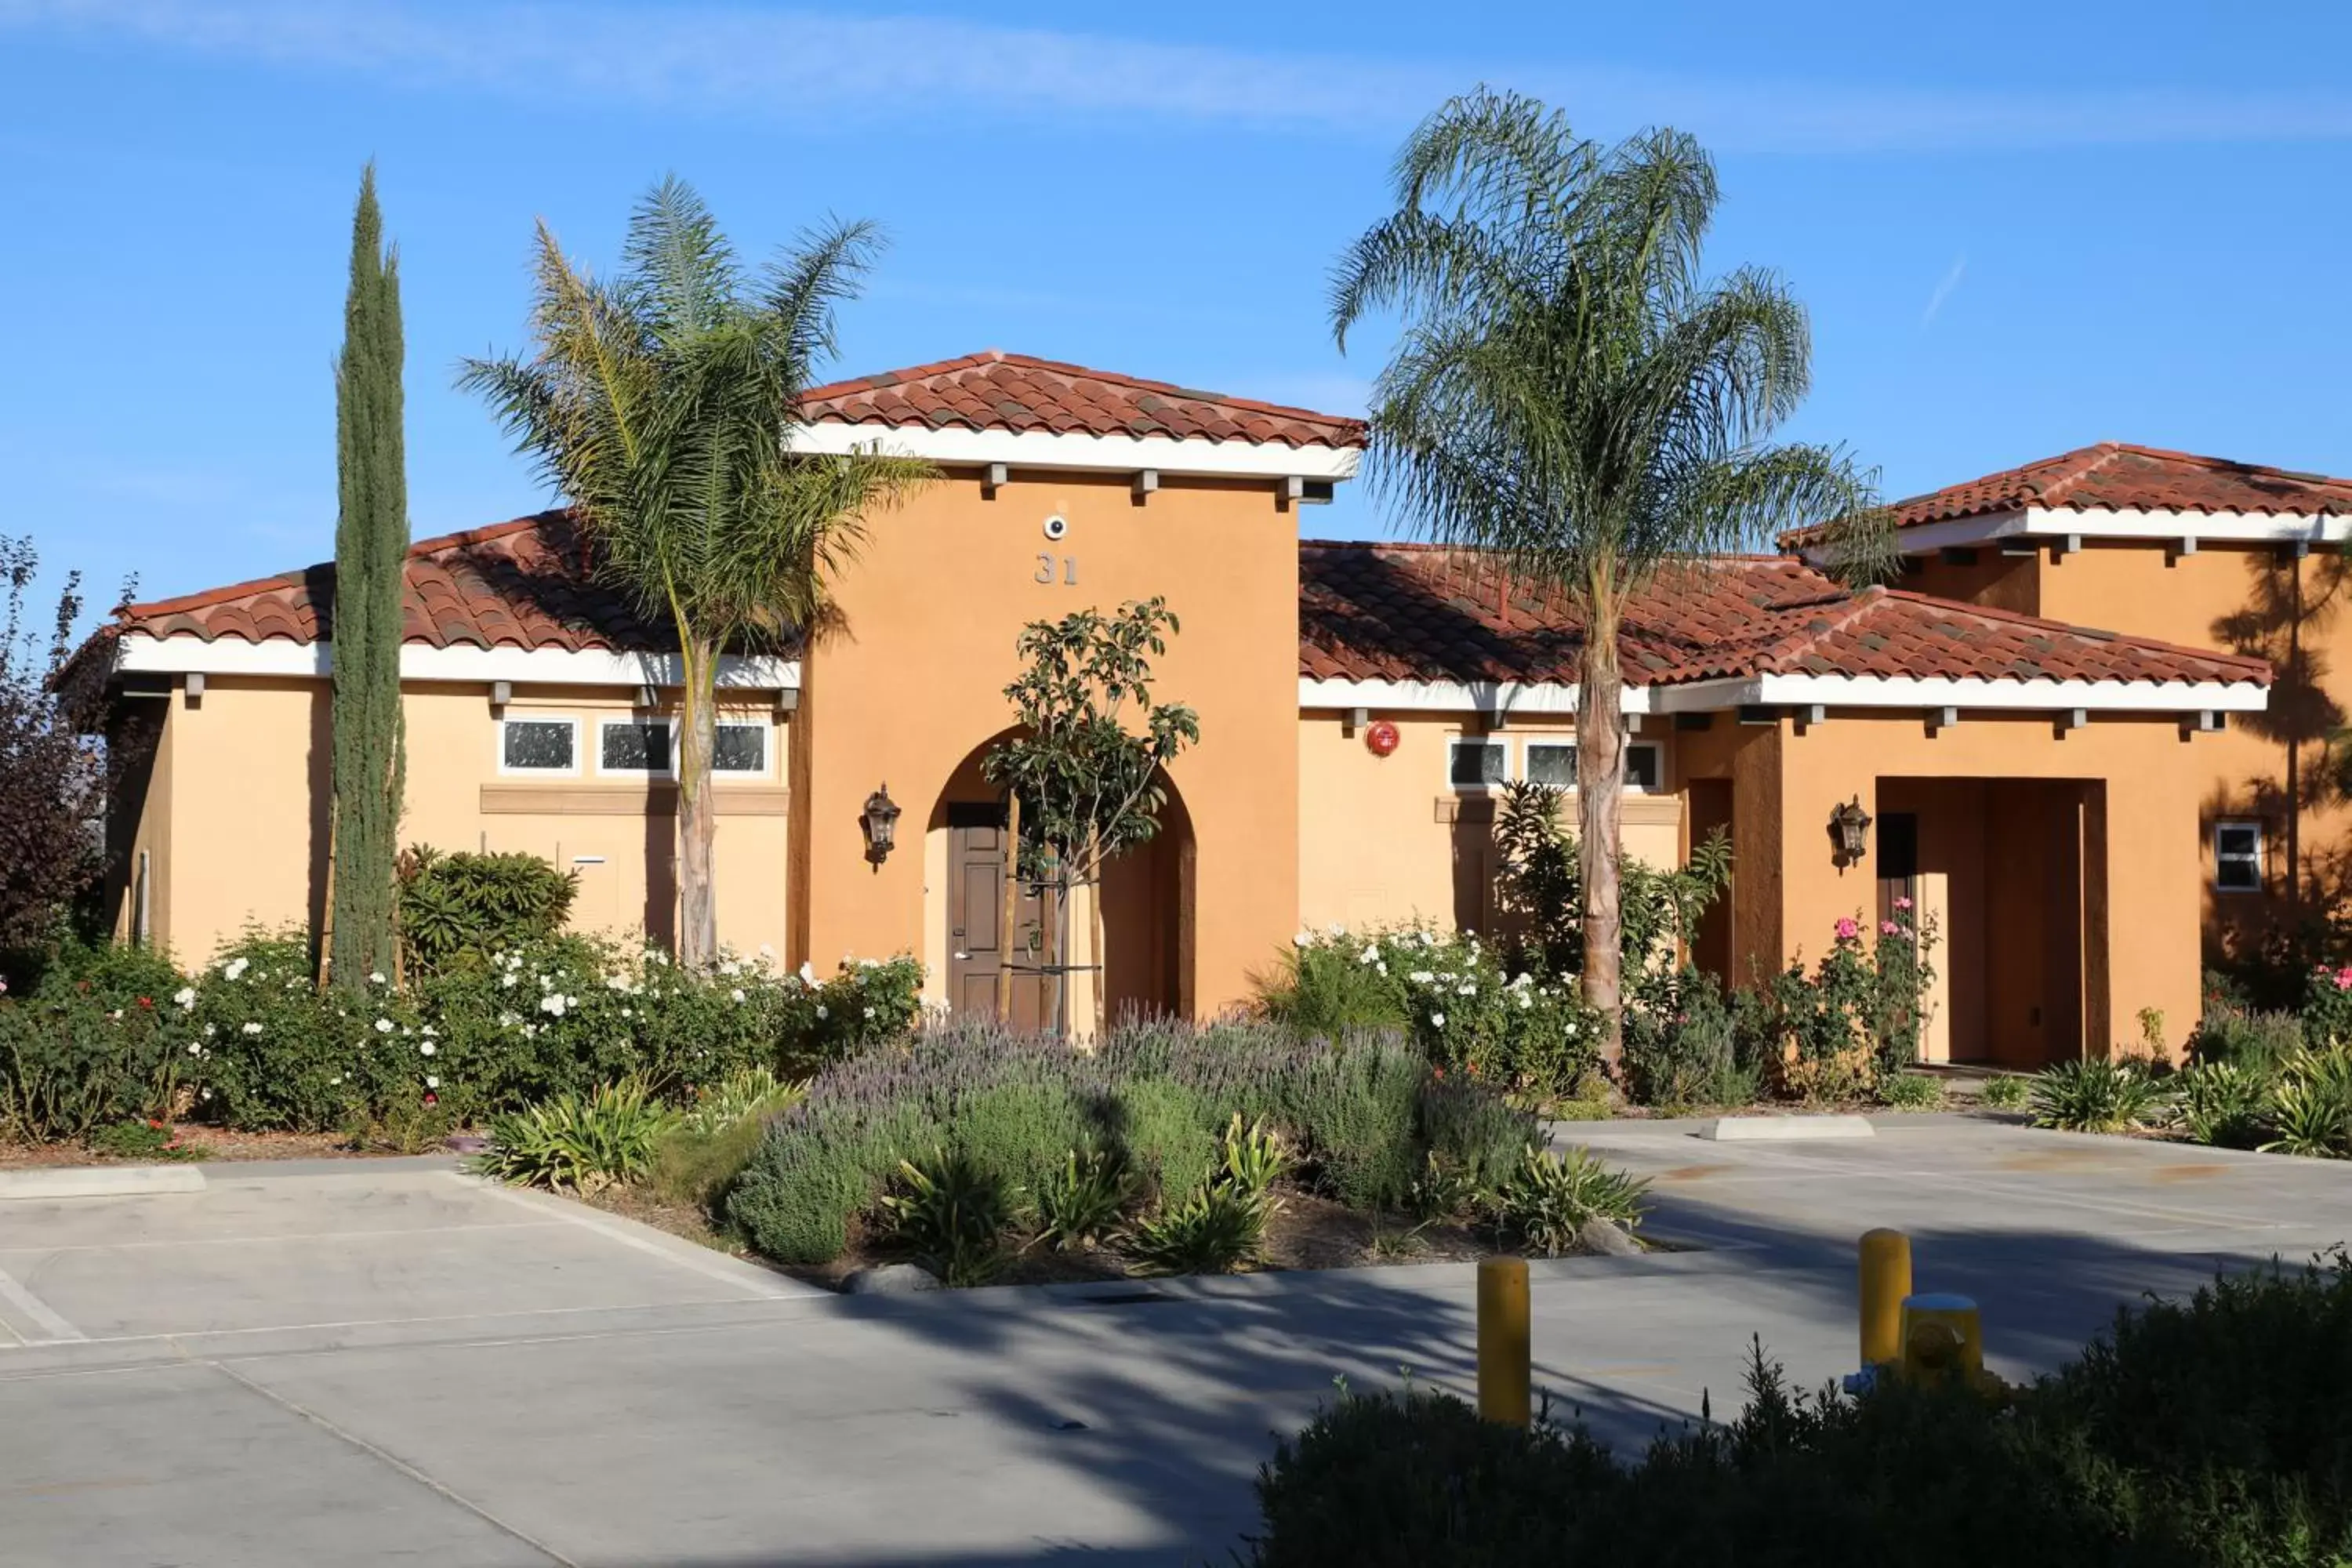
(978, 947)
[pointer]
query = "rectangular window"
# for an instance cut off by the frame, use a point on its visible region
(632, 746)
(740, 749)
(1475, 762)
(539, 746)
(1553, 762)
(2237, 857)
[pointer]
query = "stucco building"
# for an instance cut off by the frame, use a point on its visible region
(2047, 789)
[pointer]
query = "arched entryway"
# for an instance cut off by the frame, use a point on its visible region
(973, 936)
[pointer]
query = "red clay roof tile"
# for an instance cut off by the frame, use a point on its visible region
(997, 391)
(2115, 475)
(1392, 612)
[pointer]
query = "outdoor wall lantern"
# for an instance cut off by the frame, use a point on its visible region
(880, 820)
(1849, 833)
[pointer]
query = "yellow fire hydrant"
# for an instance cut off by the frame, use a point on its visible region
(1943, 1338)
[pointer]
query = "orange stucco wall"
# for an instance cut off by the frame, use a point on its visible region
(2236, 599)
(236, 810)
(2134, 793)
(912, 684)
(1388, 839)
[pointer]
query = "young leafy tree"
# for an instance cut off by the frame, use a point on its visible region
(1087, 763)
(661, 405)
(1573, 398)
(51, 782)
(370, 555)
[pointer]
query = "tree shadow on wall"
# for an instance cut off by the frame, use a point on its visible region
(2291, 609)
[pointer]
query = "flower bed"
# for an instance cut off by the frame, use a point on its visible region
(1171, 1146)
(250, 1043)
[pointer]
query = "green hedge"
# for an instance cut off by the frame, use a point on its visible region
(2216, 1431)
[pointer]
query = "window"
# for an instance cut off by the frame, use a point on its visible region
(1477, 763)
(2237, 857)
(632, 746)
(1553, 762)
(739, 748)
(539, 746)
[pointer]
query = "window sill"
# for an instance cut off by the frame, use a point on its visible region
(658, 798)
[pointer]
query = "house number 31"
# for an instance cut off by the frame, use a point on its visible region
(1045, 568)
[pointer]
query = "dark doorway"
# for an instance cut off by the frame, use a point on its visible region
(1711, 944)
(1899, 862)
(979, 946)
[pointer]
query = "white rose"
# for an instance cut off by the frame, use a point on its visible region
(731, 968)
(1303, 938)
(737, 994)
(1437, 1020)
(808, 972)
(869, 1013)
(194, 1049)
(1467, 991)
(375, 978)
(1370, 955)
(552, 1004)
(1421, 977)
(383, 1025)
(185, 997)
(253, 1029)
(821, 1012)
(432, 1082)
(425, 1049)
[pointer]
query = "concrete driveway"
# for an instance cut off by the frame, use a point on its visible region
(384, 1362)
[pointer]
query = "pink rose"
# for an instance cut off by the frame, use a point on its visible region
(1849, 930)
(2344, 980)
(1902, 901)
(1887, 928)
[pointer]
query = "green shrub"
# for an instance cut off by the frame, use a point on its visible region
(1327, 992)
(2006, 1091)
(2327, 1018)
(2096, 1095)
(69, 1065)
(1164, 1132)
(109, 975)
(1451, 996)
(1214, 1230)
(2225, 1103)
(1680, 1044)
(146, 1140)
(1912, 1091)
(478, 903)
(272, 1052)
(1473, 1131)
(582, 1141)
(1546, 1203)
(754, 1092)
(1019, 1133)
(2310, 1105)
(2235, 1037)
(1253, 1159)
(1152, 1100)
(1081, 1201)
(951, 1213)
(2204, 1433)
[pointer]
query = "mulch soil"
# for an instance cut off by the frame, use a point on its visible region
(217, 1144)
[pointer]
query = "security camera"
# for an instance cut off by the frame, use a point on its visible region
(1056, 526)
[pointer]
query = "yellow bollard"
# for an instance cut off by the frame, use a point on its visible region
(1885, 1281)
(1943, 1336)
(1503, 1356)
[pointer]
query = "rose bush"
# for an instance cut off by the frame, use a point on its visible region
(1451, 995)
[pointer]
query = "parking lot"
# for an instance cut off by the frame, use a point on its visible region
(371, 1361)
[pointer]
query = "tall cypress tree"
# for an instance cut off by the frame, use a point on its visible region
(371, 550)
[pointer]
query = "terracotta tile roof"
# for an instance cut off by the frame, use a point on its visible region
(996, 391)
(1391, 612)
(2115, 477)
(521, 584)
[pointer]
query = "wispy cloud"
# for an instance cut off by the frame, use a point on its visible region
(1944, 289)
(741, 61)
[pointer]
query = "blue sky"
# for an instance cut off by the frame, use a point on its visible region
(2019, 226)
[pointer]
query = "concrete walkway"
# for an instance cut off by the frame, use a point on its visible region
(390, 1363)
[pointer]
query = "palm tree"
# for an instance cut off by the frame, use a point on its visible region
(1570, 396)
(661, 405)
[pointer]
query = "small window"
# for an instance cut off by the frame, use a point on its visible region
(740, 749)
(538, 746)
(1474, 762)
(632, 746)
(1553, 762)
(2237, 857)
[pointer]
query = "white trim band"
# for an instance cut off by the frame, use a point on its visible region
(1165, 454)
(185, 654)
(2057, 524)
(1798, 691)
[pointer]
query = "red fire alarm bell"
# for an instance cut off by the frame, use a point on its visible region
(1381, 738)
